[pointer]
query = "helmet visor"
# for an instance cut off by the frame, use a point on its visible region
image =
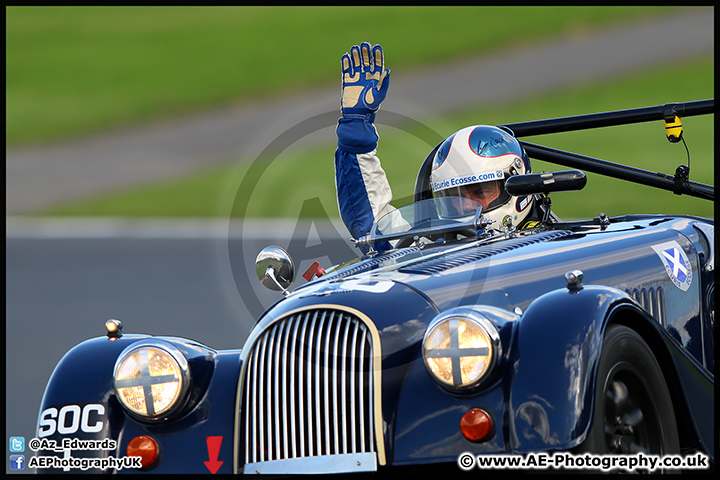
(455, 208)
(488, 194)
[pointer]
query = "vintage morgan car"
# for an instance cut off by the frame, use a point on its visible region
(465, 338)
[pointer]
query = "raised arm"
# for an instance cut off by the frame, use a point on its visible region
(363, 191)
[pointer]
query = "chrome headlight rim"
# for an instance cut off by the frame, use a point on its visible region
(494, 343)
(180, 360)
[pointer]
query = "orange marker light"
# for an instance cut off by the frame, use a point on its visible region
(144, 447)
(476, 425)
(114, 329)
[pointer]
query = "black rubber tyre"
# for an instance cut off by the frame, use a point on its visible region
(633, 409)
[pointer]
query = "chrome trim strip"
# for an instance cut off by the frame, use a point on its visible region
(293, 354)
(345, 463)
(361, 387)
(343, 383)
(311, 381)
(316, 382)
(353, 430)
(254, 403)
(272, 385)
(261, 438)
(326, 386)
(301, 401)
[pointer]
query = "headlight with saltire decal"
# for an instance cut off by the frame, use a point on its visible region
(460, 348)
(151, 379)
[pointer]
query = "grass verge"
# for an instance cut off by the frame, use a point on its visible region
(301, 183)
(74, 70)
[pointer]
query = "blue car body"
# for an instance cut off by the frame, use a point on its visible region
(332, 376)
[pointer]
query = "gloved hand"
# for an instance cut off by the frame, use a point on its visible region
(365, 81)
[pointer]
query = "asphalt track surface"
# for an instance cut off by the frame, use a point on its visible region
(195, 279)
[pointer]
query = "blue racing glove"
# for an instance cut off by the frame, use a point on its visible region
(365, 81)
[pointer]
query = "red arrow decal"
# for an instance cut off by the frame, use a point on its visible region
(213, 446)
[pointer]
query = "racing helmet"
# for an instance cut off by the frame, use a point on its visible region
(474, 163)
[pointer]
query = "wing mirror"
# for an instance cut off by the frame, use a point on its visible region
(275, 269)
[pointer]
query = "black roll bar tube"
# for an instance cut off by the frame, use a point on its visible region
(607, 119)
(615, 170)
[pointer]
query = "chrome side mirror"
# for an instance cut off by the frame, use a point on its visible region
(275, 269)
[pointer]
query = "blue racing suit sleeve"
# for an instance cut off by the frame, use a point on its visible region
(363, 191)
(354, 136)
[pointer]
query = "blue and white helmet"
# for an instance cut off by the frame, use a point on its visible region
(474, 163)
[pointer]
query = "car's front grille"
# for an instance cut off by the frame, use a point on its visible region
(309, 388)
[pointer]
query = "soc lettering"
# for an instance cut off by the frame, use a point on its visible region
(71, 418)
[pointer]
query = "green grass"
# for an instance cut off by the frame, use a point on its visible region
(295, 179)
(74, 70)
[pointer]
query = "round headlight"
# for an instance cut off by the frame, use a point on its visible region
(460, 348)
(151, 379)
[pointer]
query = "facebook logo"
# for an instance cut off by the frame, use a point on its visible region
(17, 462)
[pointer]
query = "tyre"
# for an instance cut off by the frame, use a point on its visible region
(633, 411)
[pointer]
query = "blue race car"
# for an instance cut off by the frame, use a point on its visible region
(466, 338)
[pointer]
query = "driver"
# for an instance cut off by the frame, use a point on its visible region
(471, 163)
(474, 163)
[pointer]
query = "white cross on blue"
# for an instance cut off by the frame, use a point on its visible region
(679, 269)
(676, 263)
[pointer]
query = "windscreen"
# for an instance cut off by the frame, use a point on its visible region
(428, 215)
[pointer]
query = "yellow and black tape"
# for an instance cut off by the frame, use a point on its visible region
(673, 128)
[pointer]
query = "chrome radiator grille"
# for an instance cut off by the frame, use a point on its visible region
(308, 388)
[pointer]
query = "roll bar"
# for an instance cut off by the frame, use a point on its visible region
(678, 183)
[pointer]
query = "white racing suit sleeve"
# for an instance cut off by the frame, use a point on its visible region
(363, 191)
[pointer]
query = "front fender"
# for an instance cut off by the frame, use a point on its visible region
(80, 404)
(553, 367)
(81, 383)
(542, 397)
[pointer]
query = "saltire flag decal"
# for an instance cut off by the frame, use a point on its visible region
(676, 264)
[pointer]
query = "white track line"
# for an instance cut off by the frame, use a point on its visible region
(18, 227)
